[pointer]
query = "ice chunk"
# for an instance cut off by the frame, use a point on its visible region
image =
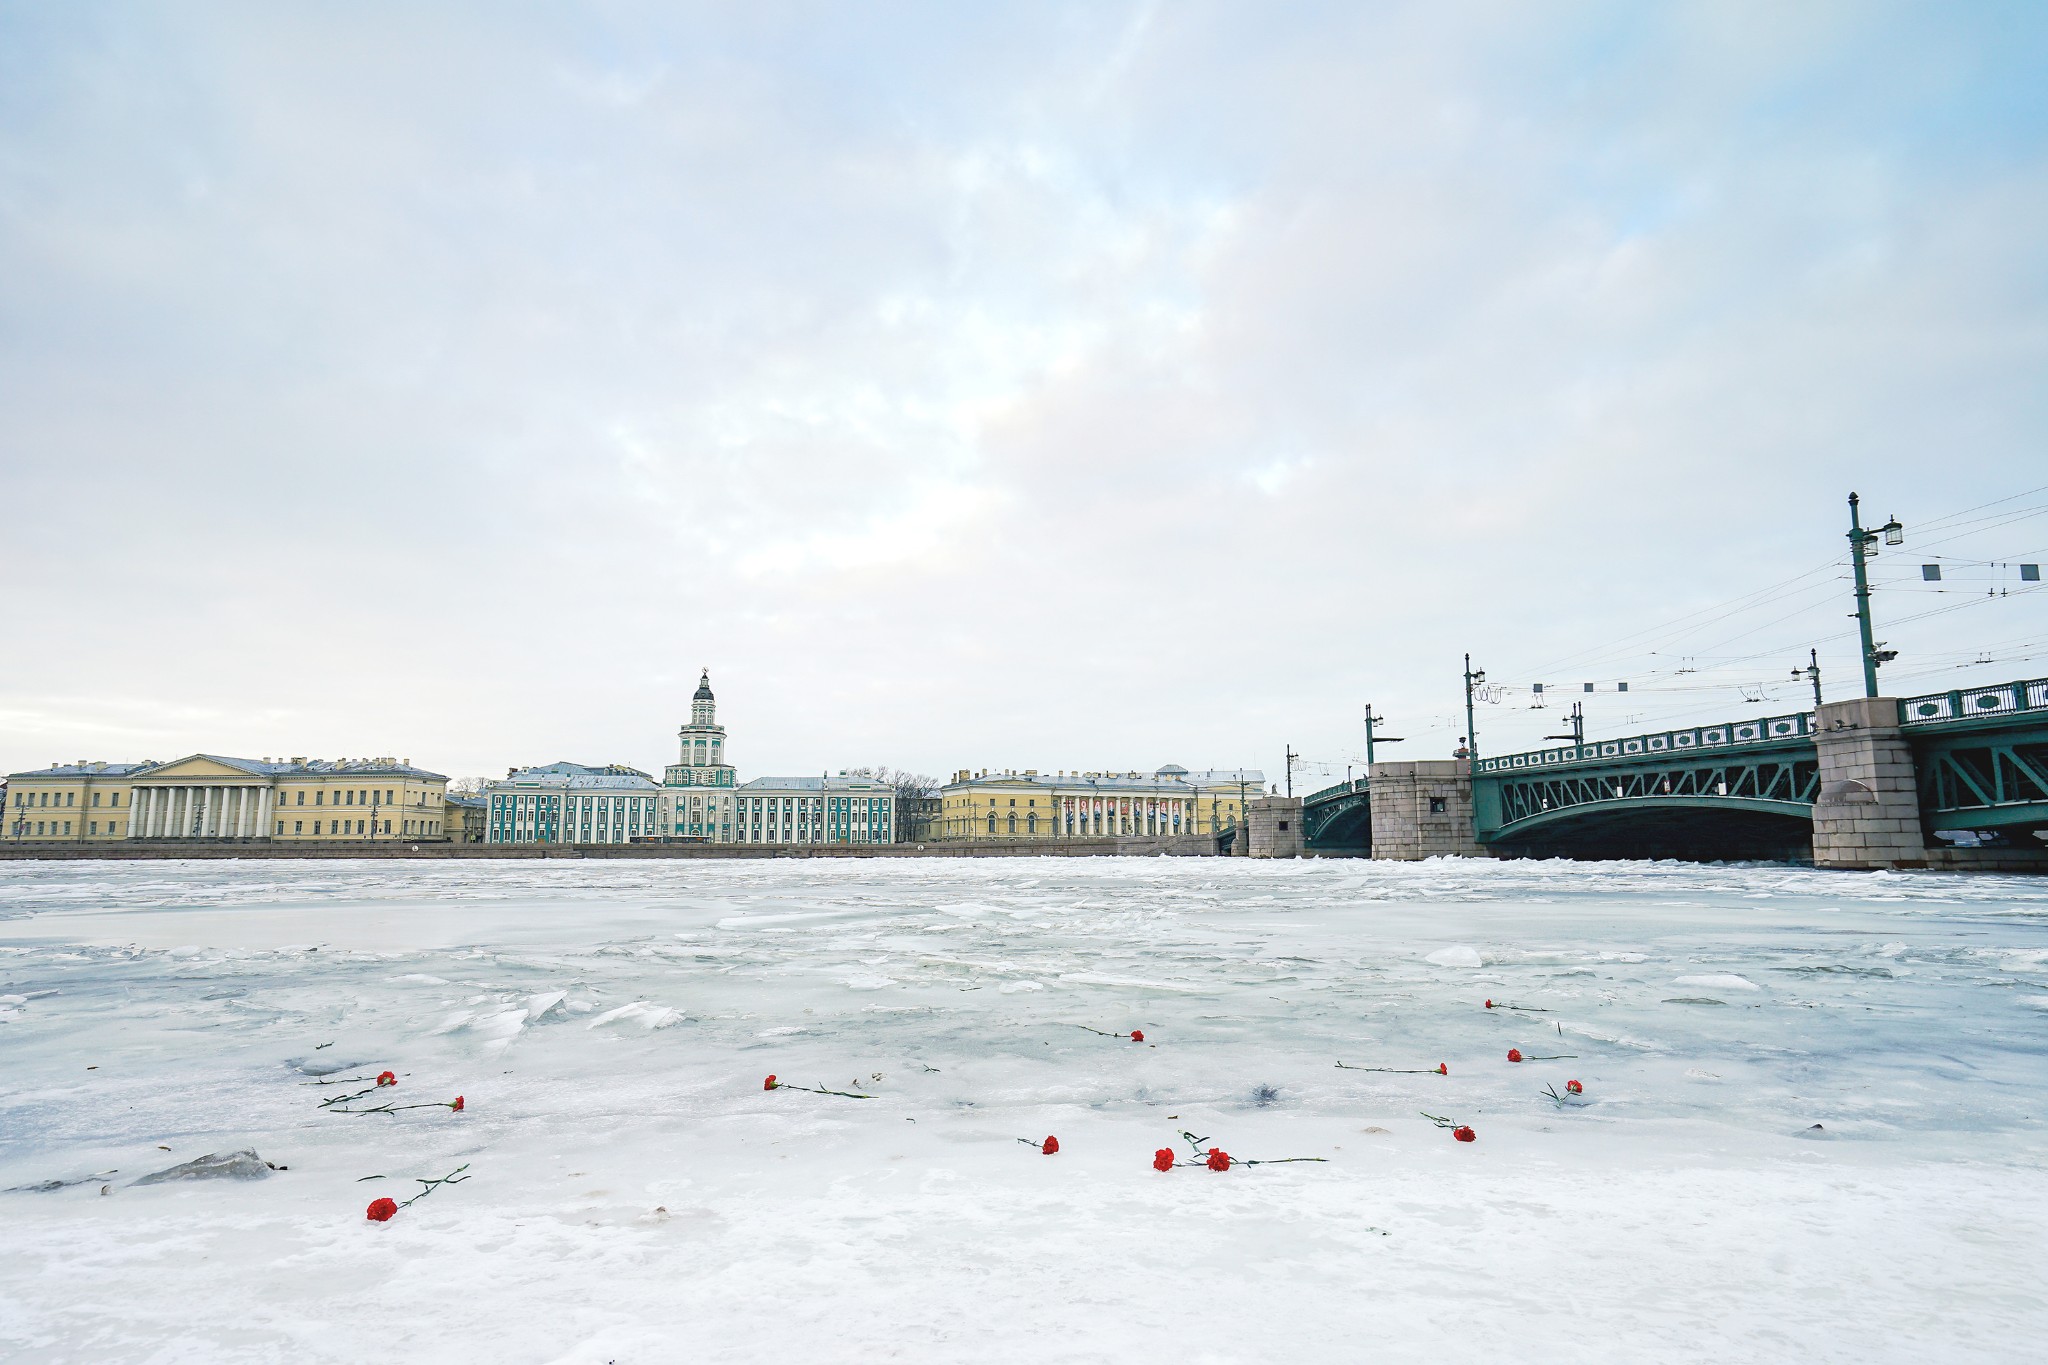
(646, 1015)
(242, 1165)
(1457, 955)
(1719, 981)
(544, 1004)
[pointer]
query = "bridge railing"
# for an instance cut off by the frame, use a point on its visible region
(1972, 703)
(1341, 789)
(1734, 734)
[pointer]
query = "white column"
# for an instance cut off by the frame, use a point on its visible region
(154, 796)
(266, 806)
(209, 812)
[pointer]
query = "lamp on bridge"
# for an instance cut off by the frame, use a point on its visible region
(1862, 545)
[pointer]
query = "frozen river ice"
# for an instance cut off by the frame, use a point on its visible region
(636, 1195)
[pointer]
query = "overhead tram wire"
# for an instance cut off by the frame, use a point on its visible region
(1958, 524)
(1718, 611)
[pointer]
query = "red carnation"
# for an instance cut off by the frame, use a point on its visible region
(1052, 1144)
(381, 1210)
(1137, 1035)
(1442, 1070)
(386, 1078)
(1489, 1004)
(1514, 1054)
(1162, 1160)
(1575, 1088)
(1219, 1160)
(768, 1084)
(1464, 1135)
(457, 1105)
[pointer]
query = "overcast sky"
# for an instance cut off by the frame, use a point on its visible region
(998, 386)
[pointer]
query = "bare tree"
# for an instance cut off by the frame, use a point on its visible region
(915, 799)
(468, 786)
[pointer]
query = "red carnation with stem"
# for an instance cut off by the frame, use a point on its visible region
(454, 1104)
(1442, 1070)
(1575, 1088)
(385, 1078)
(1136, 1035)
(1216, 1159)
(1461, 1132)
(383, 1210)
(768, 1084)
(1050, 1146)
(1489, 1004)
(1514, 1054)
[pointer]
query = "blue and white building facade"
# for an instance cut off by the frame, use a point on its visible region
(572, 803)
(816, 810)
(697, 791)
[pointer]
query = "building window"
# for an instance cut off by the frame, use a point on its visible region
(1438, 805)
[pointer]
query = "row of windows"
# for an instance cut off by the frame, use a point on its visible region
(349, 798)
(28, 798)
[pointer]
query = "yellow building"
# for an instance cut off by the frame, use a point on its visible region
(463, 818)
(1093, 805)
(82, 801)
(207, 796)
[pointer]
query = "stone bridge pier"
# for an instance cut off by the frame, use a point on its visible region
(1867, 814)
(1423, 810)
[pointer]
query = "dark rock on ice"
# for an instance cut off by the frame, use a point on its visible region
(242, 1165)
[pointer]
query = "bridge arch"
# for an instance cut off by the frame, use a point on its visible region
(1692, 828)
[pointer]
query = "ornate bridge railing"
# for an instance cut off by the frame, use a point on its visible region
(1975, 703)
(1664, 744)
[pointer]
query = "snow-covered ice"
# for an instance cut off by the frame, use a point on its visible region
(634, 1194)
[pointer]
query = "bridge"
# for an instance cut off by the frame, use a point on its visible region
(1950, 778)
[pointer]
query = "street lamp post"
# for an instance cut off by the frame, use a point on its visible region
(1860, 542)
(1471, 736)
(1372, 724)
(1811, 673)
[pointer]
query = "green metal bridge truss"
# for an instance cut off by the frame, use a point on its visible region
(1981, 753)
(1982, 756)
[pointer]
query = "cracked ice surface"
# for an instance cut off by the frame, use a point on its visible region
(610, 1024)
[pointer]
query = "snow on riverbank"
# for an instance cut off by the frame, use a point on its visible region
(635, 1194)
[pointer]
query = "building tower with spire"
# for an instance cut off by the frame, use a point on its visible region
(697, 791)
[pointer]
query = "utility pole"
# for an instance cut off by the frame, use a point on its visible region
(1373, 723)
(1290, 769)
(1471, 736)
(1860, 542)
(1812, 674)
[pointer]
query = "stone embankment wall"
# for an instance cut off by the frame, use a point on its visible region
(1183, 846)
(1273, 827)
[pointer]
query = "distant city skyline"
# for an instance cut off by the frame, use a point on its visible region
(1062, 387)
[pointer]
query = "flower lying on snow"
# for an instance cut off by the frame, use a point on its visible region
(1461, 1132)
(1575, 1088)
(1514, 1054)
(385, 1078)
(1216, 1159)
(1137, 1035)
(383, 1210)
(768, 1084)
(1050, 1146)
